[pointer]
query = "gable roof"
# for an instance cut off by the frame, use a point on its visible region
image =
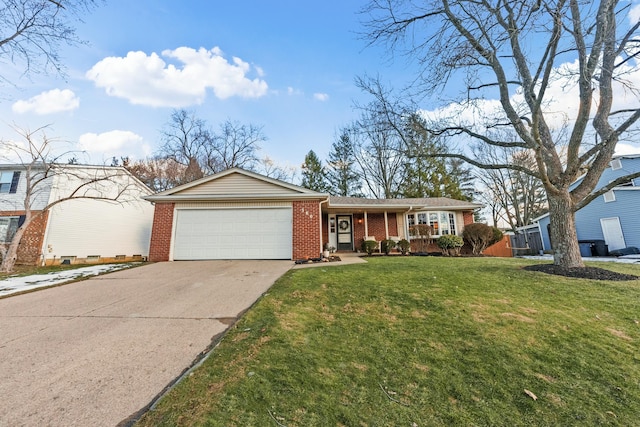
(401, 204)
(235, 184)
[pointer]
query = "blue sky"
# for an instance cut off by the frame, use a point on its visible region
(288, 66)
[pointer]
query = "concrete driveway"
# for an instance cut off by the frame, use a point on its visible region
(95, 352)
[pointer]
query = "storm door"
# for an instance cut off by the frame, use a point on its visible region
(345, 233)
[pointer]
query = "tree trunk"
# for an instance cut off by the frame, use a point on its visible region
(563, 231)
(10, 257)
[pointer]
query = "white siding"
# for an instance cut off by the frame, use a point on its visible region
(236, 184)
(84, 228)
(15, 202)
(87, 227)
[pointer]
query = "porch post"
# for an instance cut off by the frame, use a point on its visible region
(366, 225)
(386, 225)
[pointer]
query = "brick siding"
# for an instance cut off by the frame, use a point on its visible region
(306, 229)
(160, 246)
(30, 248)
(467, 217)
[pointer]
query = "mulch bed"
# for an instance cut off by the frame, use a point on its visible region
(332, 258)
(593, 273)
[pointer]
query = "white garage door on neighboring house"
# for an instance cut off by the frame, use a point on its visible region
(250, 233)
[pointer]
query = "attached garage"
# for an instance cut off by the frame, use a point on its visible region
(236, 214)
(247, 233)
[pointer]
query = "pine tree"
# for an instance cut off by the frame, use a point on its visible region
(341, 174)
(313, 175)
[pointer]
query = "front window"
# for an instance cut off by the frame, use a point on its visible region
(5, 181)
(8, 227)
(440, 223)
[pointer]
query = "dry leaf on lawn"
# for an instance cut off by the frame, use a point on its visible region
(530, 394)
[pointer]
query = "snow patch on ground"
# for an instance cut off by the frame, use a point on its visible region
(12, 285)
(627, 259)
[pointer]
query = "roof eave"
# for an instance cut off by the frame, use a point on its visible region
(232, 197)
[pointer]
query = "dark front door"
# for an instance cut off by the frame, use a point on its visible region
(345, 233)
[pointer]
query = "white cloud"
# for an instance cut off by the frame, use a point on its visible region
(53, 101)
(149, 80)
(321, 97)
(293, 91)
(562, 95)
(109, 142)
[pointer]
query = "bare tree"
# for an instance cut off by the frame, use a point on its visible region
(157, 173)
(517, 197)
(378, 141)
(72, 182)
(269, 168)
(519, 52)
(32, 31)
(234, 145)
(185, 140)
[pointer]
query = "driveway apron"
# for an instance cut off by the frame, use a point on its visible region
(97, 351)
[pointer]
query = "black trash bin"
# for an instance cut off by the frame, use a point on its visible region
(600, 248)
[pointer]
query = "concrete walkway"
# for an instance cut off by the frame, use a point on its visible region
(93, 353)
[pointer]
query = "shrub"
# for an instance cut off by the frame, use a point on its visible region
(481, 236)
(404, 245)
(421, 234)
(450, 244)
(369, 246)
(497, 236)
(386, 245)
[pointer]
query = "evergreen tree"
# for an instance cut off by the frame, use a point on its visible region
(342, 177)
(313, 175)
(426, 174)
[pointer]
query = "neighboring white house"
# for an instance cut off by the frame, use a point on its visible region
(81, 229)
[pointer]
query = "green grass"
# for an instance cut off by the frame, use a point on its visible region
(425, 341)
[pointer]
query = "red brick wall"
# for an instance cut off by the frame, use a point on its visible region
(160, 246)
(375, 225)
(393, 224)
(467, 217)
(358, 230)
(30, 249)
(306, 229)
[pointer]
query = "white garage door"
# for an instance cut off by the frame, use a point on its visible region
(263, 233)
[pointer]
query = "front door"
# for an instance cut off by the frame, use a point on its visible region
(345, 233)
(612, 232)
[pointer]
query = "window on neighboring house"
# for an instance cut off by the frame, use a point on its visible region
(411, 220)
(616, 164)
(8, 227)
(609, 196)
(9, 181)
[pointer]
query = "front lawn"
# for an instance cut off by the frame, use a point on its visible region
(423, 341)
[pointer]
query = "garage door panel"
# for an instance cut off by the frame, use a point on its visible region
(233, 234)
